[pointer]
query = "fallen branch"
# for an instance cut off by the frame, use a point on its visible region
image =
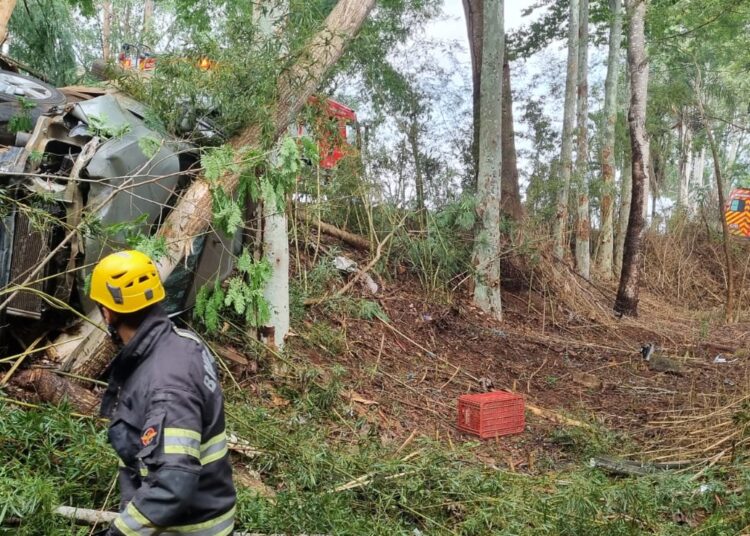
(101, 517)
(351, 239)
(360, 274)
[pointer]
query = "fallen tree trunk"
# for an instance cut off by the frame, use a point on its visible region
(6, 10)
(356, 241)
(192, 214)
(53, 389)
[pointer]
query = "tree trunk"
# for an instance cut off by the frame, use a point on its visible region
(729, 311)
(6, 10)
(510, 198)
(191, 216)
(626, 193)
(148, 22)
(627, 294)
(474, 12)
(606, 236)
(583, 223)
(53, 389)
(699, 176)
(686, 168)
(275, 239)
(486, 255)
(729, 306)
(107, 30)
(566, 151)
(413, 135)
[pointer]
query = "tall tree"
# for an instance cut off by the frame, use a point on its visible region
(729, 305)
(510, 200)
(566, 151)
(583, 223)
(413, 137)
(486, 255)
(106, 15)
(606, 235)
(626, 302)
(474, 13)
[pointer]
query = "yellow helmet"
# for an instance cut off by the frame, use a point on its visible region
(126, 282)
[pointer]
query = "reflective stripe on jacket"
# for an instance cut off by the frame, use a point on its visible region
(166, 415)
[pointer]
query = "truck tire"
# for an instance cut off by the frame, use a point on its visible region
(14, 85)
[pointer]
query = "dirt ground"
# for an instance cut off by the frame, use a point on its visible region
(407, 378)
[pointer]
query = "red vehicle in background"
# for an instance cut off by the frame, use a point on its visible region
(335, 127)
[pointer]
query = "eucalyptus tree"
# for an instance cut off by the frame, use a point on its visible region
(626, 302)
(566, 150)
(604, 249)
(486, 256)
(583, 222)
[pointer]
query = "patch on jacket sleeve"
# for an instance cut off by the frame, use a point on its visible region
(149, 435)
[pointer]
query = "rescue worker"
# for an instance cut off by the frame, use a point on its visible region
(166, 410)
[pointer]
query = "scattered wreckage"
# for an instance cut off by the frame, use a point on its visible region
(75, 164)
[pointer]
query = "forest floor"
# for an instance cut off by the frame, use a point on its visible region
(405, 375)
(352, 429)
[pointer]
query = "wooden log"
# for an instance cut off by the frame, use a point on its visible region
(354, 240)
(192, 214)
(53, 389)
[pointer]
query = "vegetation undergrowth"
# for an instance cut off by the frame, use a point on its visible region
(331, 473)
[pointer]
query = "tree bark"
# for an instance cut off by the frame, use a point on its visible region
(583, 223)
(6, 10)
(53, 389)
(474, 12)
(107, 30)
(148, 22)
(686, 166)
(627, 294)
(192, 214)
(510, 198)
(606, 236)
(729, 306)
(274, 224)
(566, 150)
(486, 255)
(626, 193)
(413, 136)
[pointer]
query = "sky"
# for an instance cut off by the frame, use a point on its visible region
(453, 25)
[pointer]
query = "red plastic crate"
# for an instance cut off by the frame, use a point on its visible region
(491, 414)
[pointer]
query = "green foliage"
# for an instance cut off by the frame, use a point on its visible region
(153, 246)
(21, 122)
(208, 304)
(49, 458)
(42, 37)
(98, 125)
(242, 296)
(370, 310)
(149, 145)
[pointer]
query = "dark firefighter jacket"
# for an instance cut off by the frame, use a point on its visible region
(166, 416)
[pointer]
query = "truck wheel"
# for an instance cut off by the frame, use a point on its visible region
(15, 85)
